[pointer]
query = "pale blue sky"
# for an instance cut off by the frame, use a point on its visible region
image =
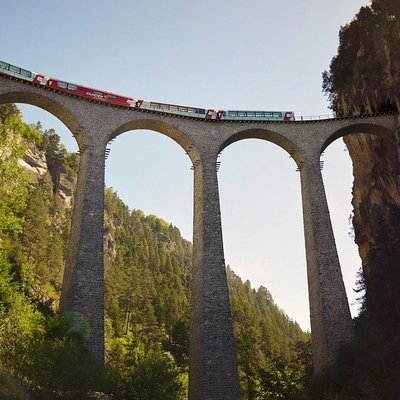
(238, 54)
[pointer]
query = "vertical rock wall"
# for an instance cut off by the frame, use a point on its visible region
(376, 202)
(364, 77)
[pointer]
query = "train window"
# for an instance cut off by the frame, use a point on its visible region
(96, 93)
(62, 85)
(13, 68)
(111, 96)
(251, 114)
(72, 87)
(4, 65)
(26, 73)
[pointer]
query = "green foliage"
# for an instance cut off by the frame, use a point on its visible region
(8, 286)
(7, 111)
(38, 353)
(20, 324)
(264, 335)
(147, 272)
(43, 244)
(33, 232)
(67, 370)
(59, 160)
(145, 371)
(279, 381)
(365, 74)
(13, 179)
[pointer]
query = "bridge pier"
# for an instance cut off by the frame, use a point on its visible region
(212, 364)
(331, 323)
(83, 282)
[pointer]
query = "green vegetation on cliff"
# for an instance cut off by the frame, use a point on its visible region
(148, 274)
(364, 75)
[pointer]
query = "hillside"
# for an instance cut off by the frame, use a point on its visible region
(148, 273)
(364, 77)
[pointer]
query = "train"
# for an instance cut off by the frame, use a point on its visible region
(130, 102)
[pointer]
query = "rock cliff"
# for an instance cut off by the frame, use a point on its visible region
(364, 77)
(376, 202)
(36, 163)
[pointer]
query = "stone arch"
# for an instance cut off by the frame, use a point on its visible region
(182, 138)
(368, 128)
(264, 134)
(65, 115)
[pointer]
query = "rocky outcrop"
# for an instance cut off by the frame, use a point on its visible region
(36, 164)
(376, 202)
(65, 189)
(364, 77)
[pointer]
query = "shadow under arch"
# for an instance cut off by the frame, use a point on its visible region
(267, 135)
(169, 130)
(371, 129)
(53, 107)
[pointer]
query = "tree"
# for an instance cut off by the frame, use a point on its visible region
(13, 179)
(146, 373)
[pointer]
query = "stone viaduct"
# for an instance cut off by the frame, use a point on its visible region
(213, 370)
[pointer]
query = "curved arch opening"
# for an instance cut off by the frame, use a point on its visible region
(33, 114)
(148, 225)
(180, 137)
(263, 234)
(42, 102)
(357, 128)
(156, 165)
(263, 224)
(265, 135)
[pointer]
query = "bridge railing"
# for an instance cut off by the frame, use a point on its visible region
(314, 117)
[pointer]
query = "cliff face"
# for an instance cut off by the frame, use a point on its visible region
(376, 202)
(364, 77)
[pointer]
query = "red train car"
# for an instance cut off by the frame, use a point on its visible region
(87, 92)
